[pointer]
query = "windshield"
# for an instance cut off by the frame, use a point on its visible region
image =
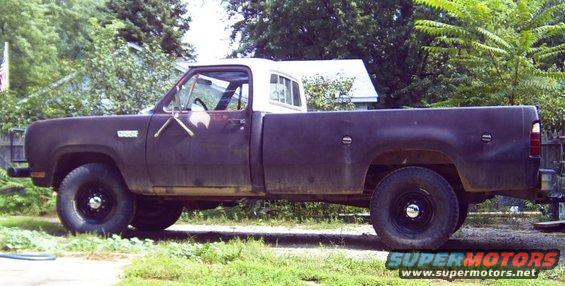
(228, 90)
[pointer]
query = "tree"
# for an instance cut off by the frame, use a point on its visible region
(164, 21)
(501, 52)
(325, 94)
(112, 78)
(71, 18)
(28, 28)
(43, 35)
(379, 32)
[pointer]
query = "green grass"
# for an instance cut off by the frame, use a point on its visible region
(33, 223)
(37, 234)
(252, 263)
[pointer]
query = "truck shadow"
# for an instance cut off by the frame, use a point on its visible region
(468, 239)
(349, 241)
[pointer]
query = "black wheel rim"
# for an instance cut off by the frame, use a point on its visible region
(412, 211)
(95, 203)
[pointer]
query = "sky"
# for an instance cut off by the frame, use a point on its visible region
(209, 31)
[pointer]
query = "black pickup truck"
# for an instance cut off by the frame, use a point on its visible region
(239, 129)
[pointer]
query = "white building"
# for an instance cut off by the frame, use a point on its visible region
(363, 93)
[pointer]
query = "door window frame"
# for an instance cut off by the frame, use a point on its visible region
(160, 107)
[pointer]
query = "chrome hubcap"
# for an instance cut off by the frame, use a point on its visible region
(412, 211)
(95, 202)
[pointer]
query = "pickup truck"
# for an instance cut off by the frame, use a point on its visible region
(240, 128)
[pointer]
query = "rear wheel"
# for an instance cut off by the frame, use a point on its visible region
(155, 214)
(463, 212)
(94, 198)
(414, 208)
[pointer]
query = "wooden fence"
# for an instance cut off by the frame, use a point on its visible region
(6, 154)
(553, 150)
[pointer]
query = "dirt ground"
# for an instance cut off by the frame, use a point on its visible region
(61, 271)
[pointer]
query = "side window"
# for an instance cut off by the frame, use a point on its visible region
(216, 90)
(274, 94)
(240, 98)
(284, 90)
(296, 94)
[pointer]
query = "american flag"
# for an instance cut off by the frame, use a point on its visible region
(4, 70)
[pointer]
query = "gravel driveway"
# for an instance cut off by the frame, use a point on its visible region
(359, 240)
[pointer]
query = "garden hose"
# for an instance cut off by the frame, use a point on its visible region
(28, 256)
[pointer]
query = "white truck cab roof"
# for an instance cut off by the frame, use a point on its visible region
(268, 79)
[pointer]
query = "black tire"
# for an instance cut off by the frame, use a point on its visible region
(93, 198)
(154, 214)
(433, 205)
(463, 212)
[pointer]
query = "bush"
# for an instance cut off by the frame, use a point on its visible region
(296, 212)
(21, 197)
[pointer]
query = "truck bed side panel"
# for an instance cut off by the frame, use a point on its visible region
(304, 153)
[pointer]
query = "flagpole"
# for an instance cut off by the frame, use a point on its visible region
(7, 59)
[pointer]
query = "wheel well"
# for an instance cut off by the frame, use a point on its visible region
(70, 161)
(390, 161)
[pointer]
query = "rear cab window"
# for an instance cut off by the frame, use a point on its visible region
(284, 91)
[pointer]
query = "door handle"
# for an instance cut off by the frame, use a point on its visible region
(237, 121)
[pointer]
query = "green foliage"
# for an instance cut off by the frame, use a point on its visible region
(33, 223)
(27, 27)
(325, 94)
(125, 82)
(71, 19)
(113, 78)
(501, 53)
(379, 32)
(20, 196)
(161, 21)
(240, 262)
(274, 211)
(15, 239)
(114, 243)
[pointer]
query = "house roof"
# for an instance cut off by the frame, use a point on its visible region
(362, 89)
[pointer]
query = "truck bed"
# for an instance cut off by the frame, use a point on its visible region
(304, 153)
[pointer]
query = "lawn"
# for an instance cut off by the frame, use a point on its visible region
(235, 262)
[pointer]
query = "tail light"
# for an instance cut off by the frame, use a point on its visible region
(535, 140)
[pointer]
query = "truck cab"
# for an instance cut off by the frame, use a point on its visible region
(221, 103)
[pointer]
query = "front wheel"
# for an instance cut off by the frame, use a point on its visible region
(414, 208)
(93, 198)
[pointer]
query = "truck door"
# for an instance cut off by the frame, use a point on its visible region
(198, 140)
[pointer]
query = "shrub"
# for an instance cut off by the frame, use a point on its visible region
(21, 197)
